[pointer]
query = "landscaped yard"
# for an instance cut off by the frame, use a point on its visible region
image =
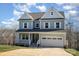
(73, 51)
(4, 48)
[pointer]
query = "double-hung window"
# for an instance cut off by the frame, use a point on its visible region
(57, 25)
(46, 25)
(37, 25)
(25, 25)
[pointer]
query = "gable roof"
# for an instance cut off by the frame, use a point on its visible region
(35, 16)
(62, 13)
(26, 16)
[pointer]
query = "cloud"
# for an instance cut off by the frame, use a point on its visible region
(17, 13)
(24, 8)
(68, 7)
(21, 7)
(41, 8)
(59, 3)
(73, 12)
(10, 23)
(74, 4)
(29, 5)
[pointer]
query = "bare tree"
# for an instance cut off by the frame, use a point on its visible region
(7, 36)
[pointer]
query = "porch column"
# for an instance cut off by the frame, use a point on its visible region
(40, 24)
(29, 39)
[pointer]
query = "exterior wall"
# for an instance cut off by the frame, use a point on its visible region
(51, 22)
(30, 24)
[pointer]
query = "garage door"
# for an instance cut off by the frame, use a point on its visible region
(52, 41)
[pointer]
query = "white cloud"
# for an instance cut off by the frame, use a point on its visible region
(6, 23)
(10, 23)
(59, 3)
(74, 4)
(21, 7)
(30, 4)
(73, 12)
(17, 13)
(41, 8)
(68, 7)
(24, 8)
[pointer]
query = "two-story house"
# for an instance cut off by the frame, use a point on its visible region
(42, 28)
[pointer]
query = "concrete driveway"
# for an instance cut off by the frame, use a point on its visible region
(36, 52)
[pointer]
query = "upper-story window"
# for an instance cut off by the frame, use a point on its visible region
(25, 25)
(57, 25)
(46, 25)
(51, 13)
(37, 25)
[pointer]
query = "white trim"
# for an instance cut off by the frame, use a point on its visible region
(54, 25)
(32, 25)
(21, 36)
(29, 39)
(49, 25)
(60, 25)
(40, 24)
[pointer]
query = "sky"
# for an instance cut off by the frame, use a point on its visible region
(10, 12)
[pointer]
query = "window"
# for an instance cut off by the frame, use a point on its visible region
(59, 38)
(51, 13)
(49, 38)
(24, 36)
(46, 25)
(37, 25)
(57, 25)
(25, 25)
(43, 38)
(54, 38)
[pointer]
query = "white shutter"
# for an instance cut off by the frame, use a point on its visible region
(54, 25)
(60, 25)
(28, 25)
(49, 25)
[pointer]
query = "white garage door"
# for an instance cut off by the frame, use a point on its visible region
(52, 41)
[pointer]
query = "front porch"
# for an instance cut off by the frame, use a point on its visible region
(27, 39)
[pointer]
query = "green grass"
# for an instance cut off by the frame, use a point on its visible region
(4, 48)
(73, 51)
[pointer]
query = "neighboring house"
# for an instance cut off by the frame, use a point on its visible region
(43, 29)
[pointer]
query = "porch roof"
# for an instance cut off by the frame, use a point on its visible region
(40, 30)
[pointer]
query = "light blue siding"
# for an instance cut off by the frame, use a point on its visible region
(30, 24)
(52, 23)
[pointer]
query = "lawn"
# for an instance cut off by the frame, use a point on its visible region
(4, 48)
(73, 51)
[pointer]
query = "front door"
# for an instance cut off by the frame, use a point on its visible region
(35, 38)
